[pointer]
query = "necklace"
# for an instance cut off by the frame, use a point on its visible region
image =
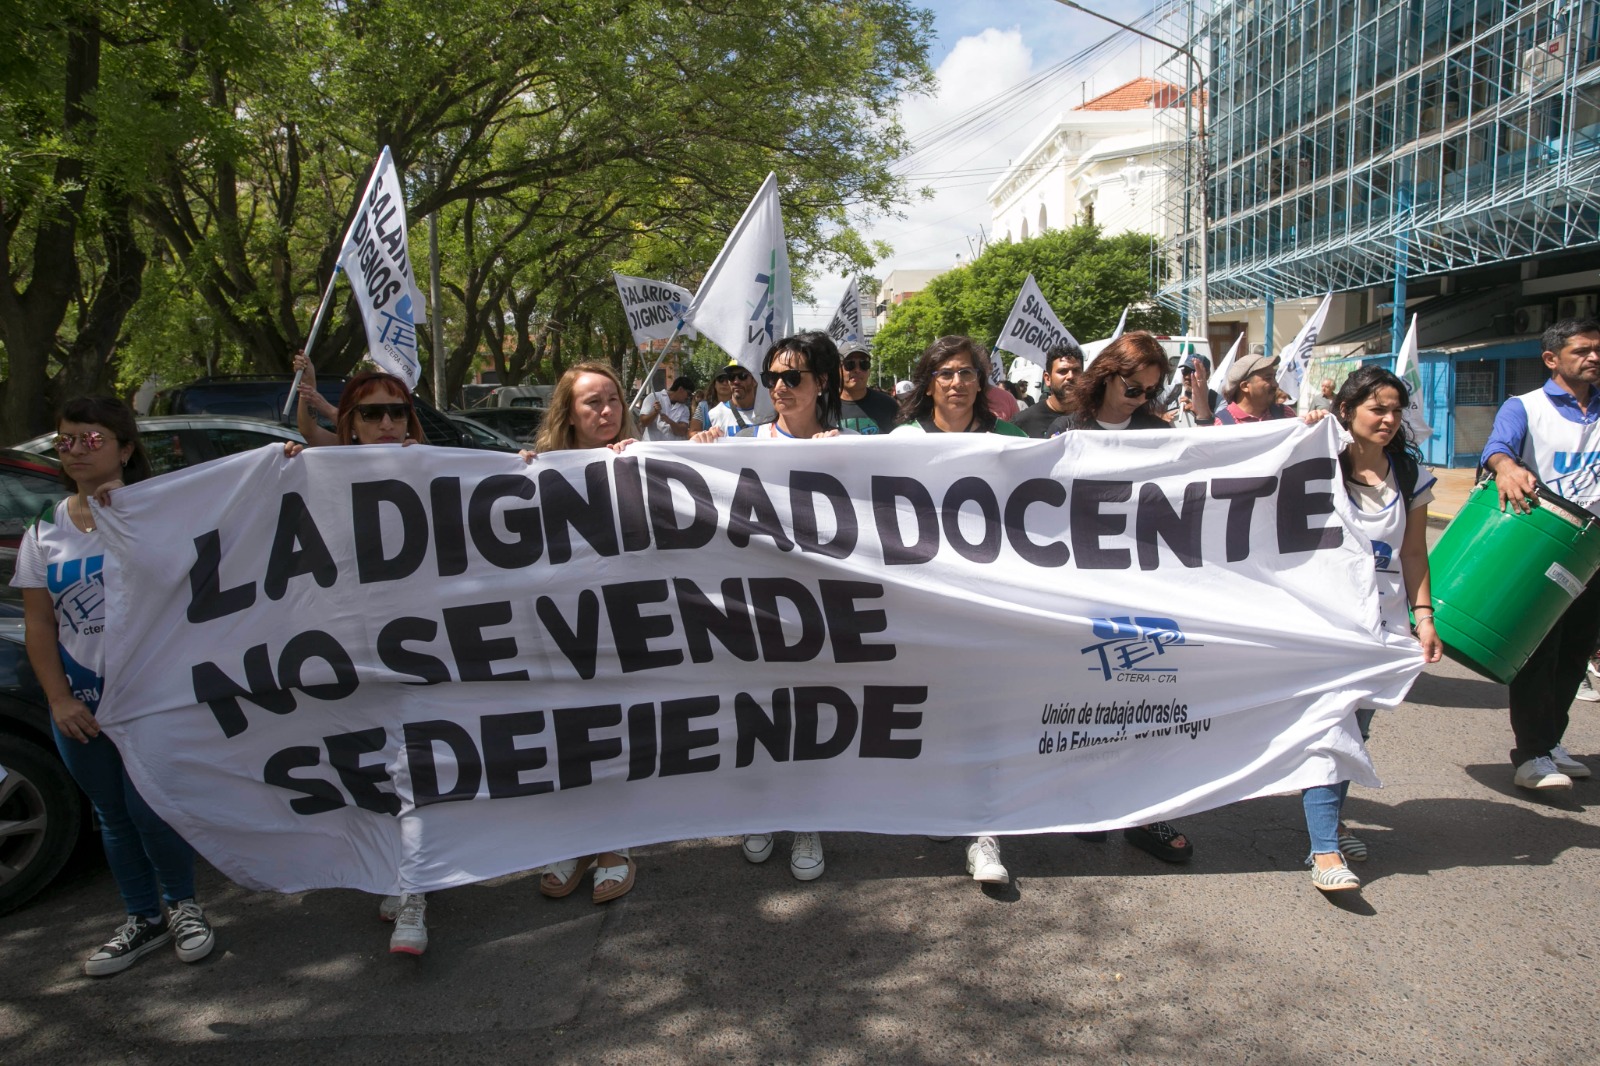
(84, 520)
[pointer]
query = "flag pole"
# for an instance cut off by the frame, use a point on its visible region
(311, 338)
(654, 367)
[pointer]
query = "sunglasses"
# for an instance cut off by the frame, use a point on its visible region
(733, 378)
(92, 440)
(374, 412)
(1131, 391)
(791, 378)
(963, 374)
(858, 364)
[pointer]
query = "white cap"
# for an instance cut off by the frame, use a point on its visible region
(902, 387)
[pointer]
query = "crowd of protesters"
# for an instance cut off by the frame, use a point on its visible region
(817, 392)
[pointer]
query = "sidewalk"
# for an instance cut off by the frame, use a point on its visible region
(1450, 494)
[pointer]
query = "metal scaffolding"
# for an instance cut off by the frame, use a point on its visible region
(1351, 142)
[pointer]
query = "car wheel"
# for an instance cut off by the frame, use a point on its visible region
(41, 814)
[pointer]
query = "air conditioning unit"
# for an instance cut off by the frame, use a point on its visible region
(1542, 65)
(1581, 305)
(1532, 318)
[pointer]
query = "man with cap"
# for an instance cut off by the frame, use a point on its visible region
(863, 409)
(665, 415)
(740, 410)
(1252, 391)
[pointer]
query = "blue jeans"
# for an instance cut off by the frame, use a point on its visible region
(143, 850)
(1325, 803)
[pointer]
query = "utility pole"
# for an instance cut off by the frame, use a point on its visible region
(438, 315)
(1197, 93)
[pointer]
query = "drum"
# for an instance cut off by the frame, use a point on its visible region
(1501, 580)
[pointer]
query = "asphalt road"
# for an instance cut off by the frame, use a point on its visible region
(1470, 943)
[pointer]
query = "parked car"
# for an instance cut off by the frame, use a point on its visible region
(519, 396)
(483, 436)
(28, 483)
(175, 442)
(518, 423)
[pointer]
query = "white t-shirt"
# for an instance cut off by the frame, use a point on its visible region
(723, 417)
(1380, 514)
(58, 556)
(659, 430)
(770, 431)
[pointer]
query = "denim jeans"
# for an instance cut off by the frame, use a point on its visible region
(143, 850)
(1324, 804)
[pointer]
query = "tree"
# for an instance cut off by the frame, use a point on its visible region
(1086, 278)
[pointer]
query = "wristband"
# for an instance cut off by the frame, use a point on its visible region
(1422, 606)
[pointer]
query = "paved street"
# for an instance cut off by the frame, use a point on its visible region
(1471, 943)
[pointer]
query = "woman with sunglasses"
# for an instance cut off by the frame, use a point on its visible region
(1115, 392)
(721, 392)
(947, 392)
(802, 375)
(61, 571)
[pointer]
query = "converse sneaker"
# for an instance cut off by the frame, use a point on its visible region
(1586, 691)
(134, 939)
(1540, 774)
(191, 933)
(757, 847)
(410, 930)
(983, 862)
(1567, 764)
(805, 856)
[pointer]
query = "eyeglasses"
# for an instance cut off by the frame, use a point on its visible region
(374, 412)
(791, 378)
(965, 375)
(92, 440)
(733, 377)
(858, 364)
(1132, 391)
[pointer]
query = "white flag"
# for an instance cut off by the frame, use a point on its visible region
(1292, 371)
(1220, 373)
(746, 302)
(375, 258)
(1122, 323)
(1032, 328)
(845, 327)
(655, 309)
(1407, 370)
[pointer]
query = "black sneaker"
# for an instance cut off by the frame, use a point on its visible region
(191, 933)
(134, 939)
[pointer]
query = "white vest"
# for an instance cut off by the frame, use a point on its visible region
(1386, 529)
(1564, 455)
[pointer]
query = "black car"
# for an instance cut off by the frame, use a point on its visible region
(518, 423)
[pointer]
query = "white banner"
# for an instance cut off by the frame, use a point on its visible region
(1292, 369)
(383, 667)
(375, 259)
(655, 309)
(1407, 369)
(1219, 374)
(1122, 324)
(845, 326)
(1032, 329)
(746, 300)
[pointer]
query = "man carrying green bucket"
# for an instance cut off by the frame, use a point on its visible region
(1552, 435)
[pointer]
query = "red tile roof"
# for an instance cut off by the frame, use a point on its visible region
(1140, 94)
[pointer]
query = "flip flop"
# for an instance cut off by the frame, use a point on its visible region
(613, 881)
(1157, 839)
(568, 873)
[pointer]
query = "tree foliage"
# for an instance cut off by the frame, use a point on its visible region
(175, 178)
(1086, 278)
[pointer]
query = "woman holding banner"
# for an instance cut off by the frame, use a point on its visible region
(721, 392)
(804, 377)
(587, 411)
(1389, 495)
(947, 392)
(61, 571)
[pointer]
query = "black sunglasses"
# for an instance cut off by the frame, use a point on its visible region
(791, 378)
(1130, 391)
(374, 412)
(858, 364)
(733, 377)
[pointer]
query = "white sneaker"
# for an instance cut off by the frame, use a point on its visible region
(983, 862)
(410, 930)
(1586, 691)
(758, 847)
(1541, 773)
(805, 857)
(388, 907)
(1567, 764)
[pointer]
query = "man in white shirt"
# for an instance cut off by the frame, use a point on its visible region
(665, 415)
(740, 410)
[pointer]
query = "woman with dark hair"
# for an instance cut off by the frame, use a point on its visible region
(1389, 494)
(947, 392)
(721, 392)
(61, 571)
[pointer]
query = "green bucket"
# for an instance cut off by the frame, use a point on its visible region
(1501, 580)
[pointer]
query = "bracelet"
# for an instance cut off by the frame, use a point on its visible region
(1421, 606)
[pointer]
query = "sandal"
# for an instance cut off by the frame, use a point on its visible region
(613, 881)
(1335, 878)
(560, 878)
(1157, 839)
(1353, 847)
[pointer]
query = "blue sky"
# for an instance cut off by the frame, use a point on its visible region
(983, 47)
